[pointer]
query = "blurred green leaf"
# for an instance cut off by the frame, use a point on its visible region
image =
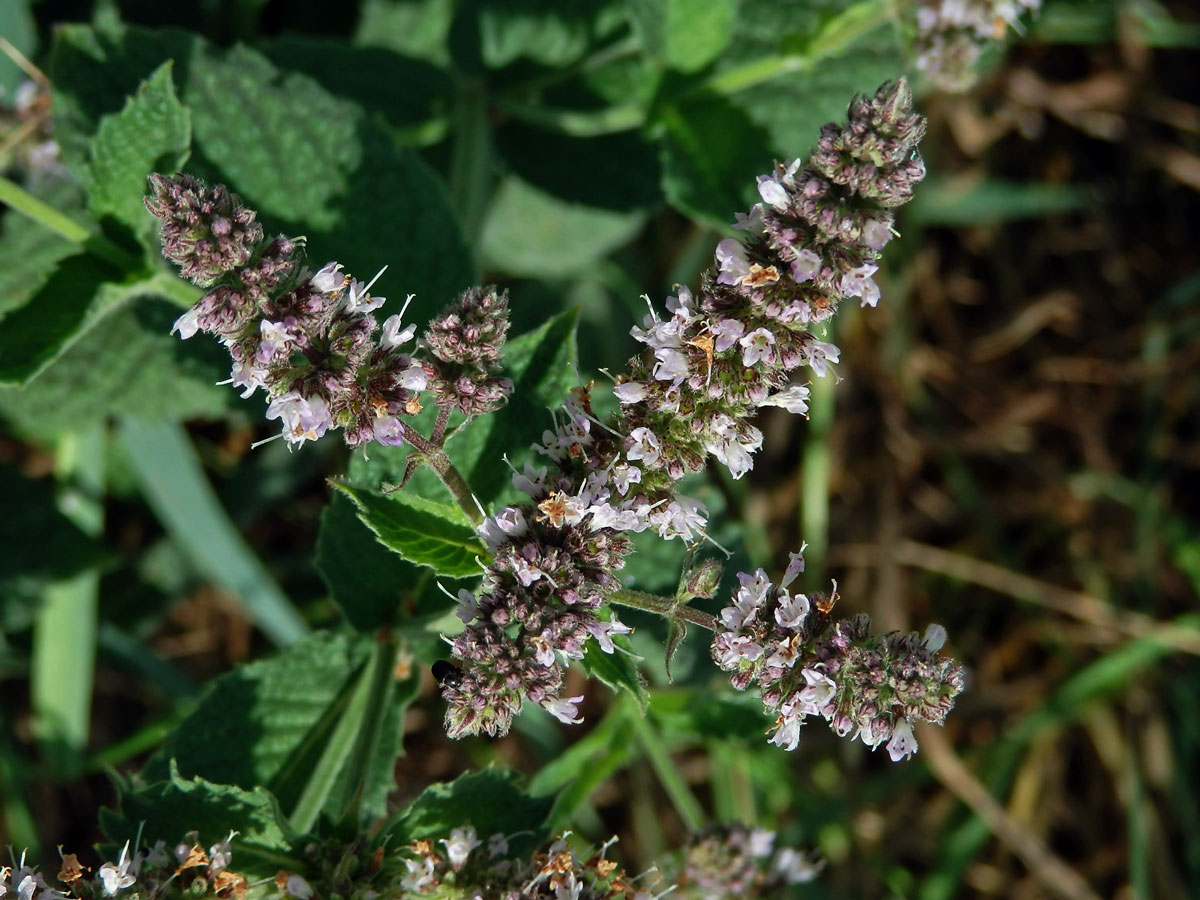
(422, 531)
(943, 202)
(491, 800)
(578, 770)
(152, 133)
(617, 172)
(127, 364)
(543, 31)
(711, 155)
(704, 714)
(685, 34)
(405, 90)
(528, 232)
(31, 254)
(173, 484)
(81, 291)
(168, 809)
(416, 28)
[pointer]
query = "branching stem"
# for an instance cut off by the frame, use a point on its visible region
(663, 606)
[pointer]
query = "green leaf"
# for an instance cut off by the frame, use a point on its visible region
(704, 714)
(262, 721)
(31, 253)
(82, 291)
(174, 485)
(622, 169)
(618, 670)
(348, 747)
(576, 772)
(130, 364)
(491, 800)
(528, 232)
(369, 582)
(685, 35)
(168, 809)
(151, 134)
(793, 66)
(407, 91)
(543, 367)
(308, 162)
(422, 531)
(711, 156)
(944, 202)
(543, 31)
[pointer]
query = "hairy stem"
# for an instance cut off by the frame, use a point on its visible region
(663, 606)
(450, 476)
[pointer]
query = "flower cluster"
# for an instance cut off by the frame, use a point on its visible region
(540, 602)
(737, 346)
(733, 861)
(310, 340)
(462, 866)
(813, 241)
(806, 664)
(951, 34)
(184, 871)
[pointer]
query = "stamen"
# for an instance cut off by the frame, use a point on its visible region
(258, 444)
(371, 283)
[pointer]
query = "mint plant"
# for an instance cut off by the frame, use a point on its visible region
(496, 515)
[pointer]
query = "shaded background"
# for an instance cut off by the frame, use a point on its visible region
(1011, 450)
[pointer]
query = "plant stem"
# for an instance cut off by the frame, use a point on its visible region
(450, 477)
(45, 214)
(663, 606)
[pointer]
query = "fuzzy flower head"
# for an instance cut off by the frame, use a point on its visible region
(806, 664)
(465, 343)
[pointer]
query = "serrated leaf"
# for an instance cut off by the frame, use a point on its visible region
(255, 721)
(685, 35)
(491, 800)
(422, 531)
(307, 161)
(528, 232)
(711, 156)
(617, 670)
(168, 809)
(369, 582)
(128, 364)
(152, 133)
